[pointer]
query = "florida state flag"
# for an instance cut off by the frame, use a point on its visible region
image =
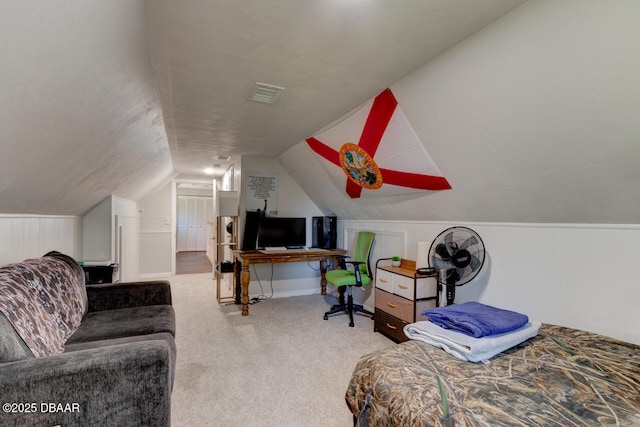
(378, 151)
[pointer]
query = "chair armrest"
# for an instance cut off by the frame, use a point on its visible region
(356, 271)
(354, 263)
(112, 296)
(344, 261)
(127, 384)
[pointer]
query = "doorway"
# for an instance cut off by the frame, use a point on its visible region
(193, 262)
(194, 225)
(194, 212)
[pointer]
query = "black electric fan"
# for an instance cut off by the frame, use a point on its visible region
(458, 255)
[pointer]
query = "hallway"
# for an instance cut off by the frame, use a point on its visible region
(192, 263)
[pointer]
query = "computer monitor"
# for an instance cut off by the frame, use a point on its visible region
(280, 231)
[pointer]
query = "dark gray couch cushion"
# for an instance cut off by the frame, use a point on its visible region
(12, 347)
(112, 296)
(163, 336)
(121, 385)
(125, 322)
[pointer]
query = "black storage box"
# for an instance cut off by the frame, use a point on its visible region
(226, 267)
(96, 274)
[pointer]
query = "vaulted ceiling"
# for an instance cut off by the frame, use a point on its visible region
(114, 96)
(328, 55)
(529, 108)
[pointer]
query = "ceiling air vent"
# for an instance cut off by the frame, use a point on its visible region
(222, 157)
(265, 93)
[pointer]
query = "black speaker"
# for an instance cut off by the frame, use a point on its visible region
(324, 232)
(250, 235)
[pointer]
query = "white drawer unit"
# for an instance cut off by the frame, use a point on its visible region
(384, 280)
(401, 296)
(415, 287)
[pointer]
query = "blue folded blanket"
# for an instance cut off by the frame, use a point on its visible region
(476, 319)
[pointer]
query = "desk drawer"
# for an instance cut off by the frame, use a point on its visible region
(394, 305)
(390, 326)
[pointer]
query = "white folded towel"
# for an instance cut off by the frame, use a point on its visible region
(468, 348)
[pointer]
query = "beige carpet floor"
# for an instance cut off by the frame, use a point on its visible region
(282, 365)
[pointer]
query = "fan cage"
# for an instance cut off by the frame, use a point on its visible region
(458, 254)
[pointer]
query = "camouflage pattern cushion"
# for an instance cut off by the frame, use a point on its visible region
(563, 376)
(45, 300)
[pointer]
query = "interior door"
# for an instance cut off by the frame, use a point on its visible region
(192, 223)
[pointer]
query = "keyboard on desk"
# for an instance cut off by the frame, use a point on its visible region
(273, 249)
(283, 249)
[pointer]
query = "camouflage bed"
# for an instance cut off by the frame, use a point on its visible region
(562, 377)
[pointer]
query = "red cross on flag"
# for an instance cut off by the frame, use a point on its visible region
(378, 151)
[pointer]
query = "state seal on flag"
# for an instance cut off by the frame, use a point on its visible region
(360, 167)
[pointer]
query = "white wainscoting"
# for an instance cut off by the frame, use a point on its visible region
(156, 254)
(577, 275)
(31, 236)
(155, 259)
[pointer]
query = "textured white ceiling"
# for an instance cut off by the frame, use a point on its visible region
(532, 118)
(329, 55)
(80, 118)
(115, 96)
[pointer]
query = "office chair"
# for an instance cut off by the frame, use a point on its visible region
(360, 275)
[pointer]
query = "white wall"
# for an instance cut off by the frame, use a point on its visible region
(31, 236)
(288, 278)
(97, 235)
(126, 238)
(531, 119)
(157, 232)
(110, 233)
(576, 275)
(100, 235)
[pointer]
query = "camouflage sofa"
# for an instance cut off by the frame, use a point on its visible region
(81, 355)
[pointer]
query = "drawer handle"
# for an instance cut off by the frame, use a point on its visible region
(403, 286)
(392, 305)
(384, 280)
(391, 327)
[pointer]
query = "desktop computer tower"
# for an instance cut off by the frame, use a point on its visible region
(324, 232)
(250, 235)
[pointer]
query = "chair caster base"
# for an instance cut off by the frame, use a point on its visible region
(348, 308)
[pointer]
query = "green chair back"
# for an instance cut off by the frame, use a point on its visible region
(362, 250)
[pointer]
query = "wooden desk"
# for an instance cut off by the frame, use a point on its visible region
(246, 258)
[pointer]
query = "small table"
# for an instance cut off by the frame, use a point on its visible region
(246, 258)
